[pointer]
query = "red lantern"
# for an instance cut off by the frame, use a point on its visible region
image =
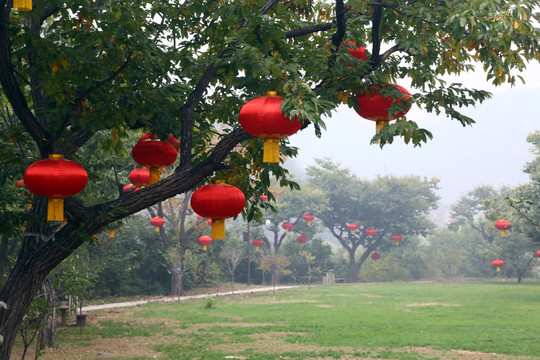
(155, 154)
(218, 201)
(538, 253)
(352, 227)
(375, 256)
(503, 225)
(130, 188)
(358, 52)
(205, 241)
(140, 177)
(397, 238)
(55, 178)
(372, 105)
(257, 243)
(262, 117)
(287, 226)
(498, 264)
(309, 218)
(264, 198)
(157, 222)
(301, 239)
(370, 232)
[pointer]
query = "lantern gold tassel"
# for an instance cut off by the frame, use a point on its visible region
(22, 5)
(218, 229)
(154, 175)
(157, 228)
(55, 209)
(503, 233)
(204, 247)
(257, 248)
(271, 151)
(111, 233)
(379, 125)
(498, 269)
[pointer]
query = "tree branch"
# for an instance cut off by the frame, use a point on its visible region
(308, 30)
(375, 38)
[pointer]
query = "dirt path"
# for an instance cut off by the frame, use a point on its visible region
(182, 298)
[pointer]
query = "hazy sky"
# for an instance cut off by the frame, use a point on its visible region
(493, 151)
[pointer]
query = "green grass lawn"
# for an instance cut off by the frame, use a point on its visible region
(384, 320)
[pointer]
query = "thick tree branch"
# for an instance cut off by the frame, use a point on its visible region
(308, 30)
(375, 38)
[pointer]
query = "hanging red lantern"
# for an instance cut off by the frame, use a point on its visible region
(309, 218)
(498, 264)
(370, 232)
(209, 222)
(205, 241)
(287, 226)
(157, 222)
(55, 178)
(218, 202)
(130, 188)
(155, 154)
(262, 117)
(538, 253)
(375, 256)
(352, 227)
(264, 198)
(140, 177)
(503, 225)
(257, 243)
(358, 52)
(22, 5)
(372, 105)
(301, 239)
(397, 238)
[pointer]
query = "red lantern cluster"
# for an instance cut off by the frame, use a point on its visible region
(257, 243)
(205, 241)
(155, 154)
(301, 239)
(352, 227)
(262, 117)
(309, 218)
(370, 232)
(55, 178)
(157, 221)
(503, 225)
(218, 202)
(372, 105)
(287, 226)
(498, 264)
(397, 238)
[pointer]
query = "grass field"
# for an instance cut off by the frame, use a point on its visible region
(471, 320)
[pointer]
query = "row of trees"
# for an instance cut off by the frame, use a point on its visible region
(82, 78)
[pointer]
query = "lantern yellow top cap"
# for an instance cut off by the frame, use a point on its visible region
(55, 156)
(218, 182)
(271, 93)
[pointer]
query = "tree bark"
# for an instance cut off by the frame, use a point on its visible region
(177, 283)
(47, 336)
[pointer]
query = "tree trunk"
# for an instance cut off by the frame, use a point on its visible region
(47, 336)
(35, 261)
(177, 283)
(352, 274)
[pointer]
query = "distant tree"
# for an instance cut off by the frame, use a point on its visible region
(232, 253)
(275, 263)
(388, 204)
